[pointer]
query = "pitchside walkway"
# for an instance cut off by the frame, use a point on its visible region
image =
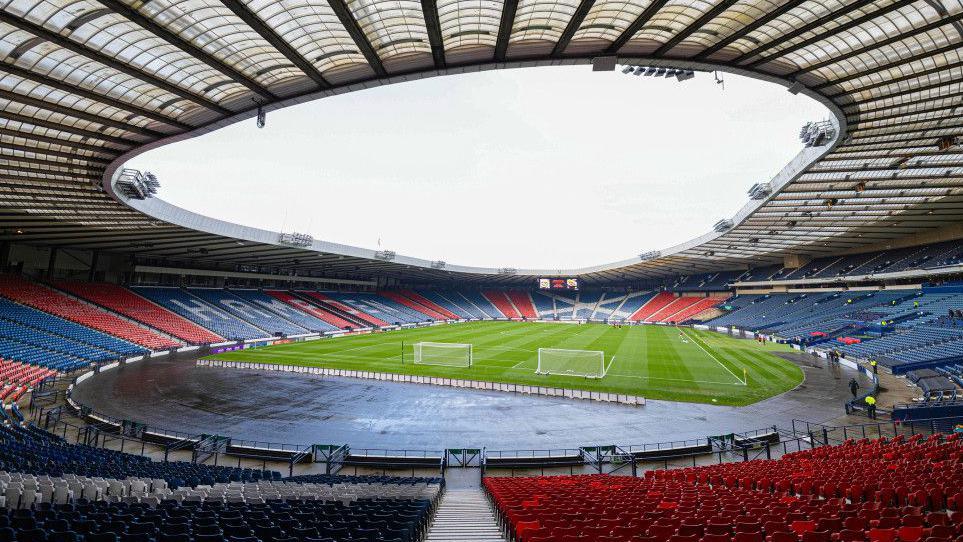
(464, 515)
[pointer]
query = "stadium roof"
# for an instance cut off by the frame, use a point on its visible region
(86, 84)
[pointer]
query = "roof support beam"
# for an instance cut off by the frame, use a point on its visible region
(126, 143)
(432, 23)
(856, 119)
(71, 157)
(110, 62)
(875, 47)
(816, 23)
(200, 54)
(912, 75)
(354, 30)
(636, 25)
(83, 115)
(270, 36)
(573, 25)
(696, 25)
(57, 141)
(505, 26)
(748, 29)
(852, 23)
(897, 93)
(93, 96)
(7, 158)
(46, 171)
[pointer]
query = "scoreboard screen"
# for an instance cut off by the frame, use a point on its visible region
(558, 284)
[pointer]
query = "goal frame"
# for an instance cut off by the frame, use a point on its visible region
(418, 353)
(603, 368)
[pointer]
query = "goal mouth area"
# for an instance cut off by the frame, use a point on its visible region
(589, 364)
(455, 355)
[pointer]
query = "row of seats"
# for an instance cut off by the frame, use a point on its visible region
(370, 519)
(33, 451)
(125, 302)
(866, 491)
(53, 302)
(38, 320)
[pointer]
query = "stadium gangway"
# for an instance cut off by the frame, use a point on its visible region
(386, 459)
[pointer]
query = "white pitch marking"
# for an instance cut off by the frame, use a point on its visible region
(713, 356)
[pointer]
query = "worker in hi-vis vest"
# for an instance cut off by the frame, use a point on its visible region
(871, 407)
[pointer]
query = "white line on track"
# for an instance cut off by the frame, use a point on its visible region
(713, 356)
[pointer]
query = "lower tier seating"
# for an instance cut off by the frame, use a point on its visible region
(867, 491)
(275, 513)
(30, 450)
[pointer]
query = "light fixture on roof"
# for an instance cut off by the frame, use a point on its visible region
(760, 191)
(385, 255)
(650, 255)
(296, 239)
(817, 134)
(136, 185)
(261, 113)
(508, 271)
(440, 264)
(680, 74)
(723, 225)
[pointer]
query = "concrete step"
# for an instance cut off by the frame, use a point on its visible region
(464, 515)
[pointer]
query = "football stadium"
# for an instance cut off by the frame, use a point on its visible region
(793, 373)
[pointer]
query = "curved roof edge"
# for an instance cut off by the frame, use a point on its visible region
(167, 212)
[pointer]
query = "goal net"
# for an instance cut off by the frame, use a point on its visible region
(558, 361)
(444, 354)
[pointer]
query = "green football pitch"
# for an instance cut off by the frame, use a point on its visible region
(656, 362)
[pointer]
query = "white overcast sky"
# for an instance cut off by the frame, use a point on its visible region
(540, 168)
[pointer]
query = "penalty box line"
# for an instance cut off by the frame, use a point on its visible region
(714, 358)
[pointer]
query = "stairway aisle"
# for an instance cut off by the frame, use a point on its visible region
(464, 515)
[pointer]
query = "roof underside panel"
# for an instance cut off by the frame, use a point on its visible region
(84, 81)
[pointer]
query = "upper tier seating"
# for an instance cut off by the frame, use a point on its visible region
(501, 302)
(631, 304)
(38, 320)
(871, 491)
(444, 300)
(402, 299)
(523, 302)
(314, 310)
(247, 311)
(195, 310)
(652, 306)
(381, 308)
(586, 303)
(544, 304)
(327, 300)
(478, 301)
(700, 305)
(131, 305)
(285, 310)
(54, 302)
(667, 313)
(425, 302)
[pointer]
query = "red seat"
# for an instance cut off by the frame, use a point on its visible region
(909, 534)
(882, 535)
(849, 535)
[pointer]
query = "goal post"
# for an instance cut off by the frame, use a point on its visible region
(443, 354)
(560, 361)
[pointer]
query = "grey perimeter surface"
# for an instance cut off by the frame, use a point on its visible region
(175, 394)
